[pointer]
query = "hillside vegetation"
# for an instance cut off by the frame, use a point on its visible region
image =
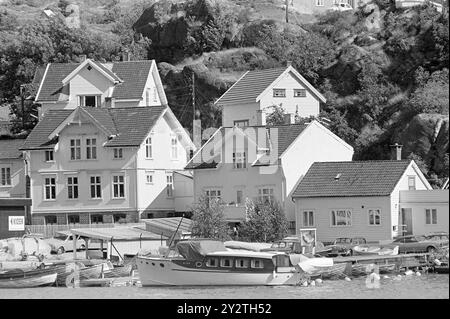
(384, 71)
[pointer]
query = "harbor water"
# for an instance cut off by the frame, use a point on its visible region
(427, 286)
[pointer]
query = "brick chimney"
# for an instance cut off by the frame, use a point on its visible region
(288, 63)
(396, 152)
(126, 56)
(82, 58)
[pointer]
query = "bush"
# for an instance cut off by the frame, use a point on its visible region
(208, 220)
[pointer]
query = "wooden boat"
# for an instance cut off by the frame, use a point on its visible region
(84, 272)
(361, 269)
(387, 268)
(374, 250)
(119, 271)
(36, 280)
(208, 263)
(335, 271)
(21, 273)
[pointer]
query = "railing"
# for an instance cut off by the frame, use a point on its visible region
(50, 230)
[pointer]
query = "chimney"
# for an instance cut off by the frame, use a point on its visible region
(82, 58)
(126, 56)
(396, 152)
(288, 63)
(288, 118)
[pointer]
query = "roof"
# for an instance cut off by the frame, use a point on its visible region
(133, 74)
(353, 178)
(286, 134)
(168, 225)
(9, 148)
(129, 126)
(116, 233)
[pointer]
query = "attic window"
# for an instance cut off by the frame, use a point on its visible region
(336, 178)
(89, 67)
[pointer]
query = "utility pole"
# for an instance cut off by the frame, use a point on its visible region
(287, 11)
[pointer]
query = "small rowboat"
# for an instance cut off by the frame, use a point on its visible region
(119, 271)
(386, 268)
(336, 271)
(374, 250)
(82, 272)
(361, 269)
(37, 280)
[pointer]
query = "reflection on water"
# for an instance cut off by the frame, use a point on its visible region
(424, 287)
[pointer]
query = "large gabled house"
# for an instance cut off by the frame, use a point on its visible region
(262, 162)
(94, 165)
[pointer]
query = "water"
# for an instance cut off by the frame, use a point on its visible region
(432, 286)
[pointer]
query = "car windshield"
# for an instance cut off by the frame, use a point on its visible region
(282, 244)
(420, 238)
(343, 241)
(60, 237)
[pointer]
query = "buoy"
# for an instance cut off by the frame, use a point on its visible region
(409, 272)
(347, 279)
(319, 281)
(313, 283)
(418, 273)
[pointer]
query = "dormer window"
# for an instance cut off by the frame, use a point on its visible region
(299, 93)
(279, 92)
(89, 100)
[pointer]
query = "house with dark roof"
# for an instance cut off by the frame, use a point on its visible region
(261, 162)
(362, 199)
(65, 86)
(248, 101)
(100, 165)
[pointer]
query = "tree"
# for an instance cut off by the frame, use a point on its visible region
(265, 221)
(277, 115)
(208, 220)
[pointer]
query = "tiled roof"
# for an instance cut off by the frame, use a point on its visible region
(286, 134)
(9, 148)
(108, 71)
(354, 178)
(133, 74)
(129, 125)
(252, 84)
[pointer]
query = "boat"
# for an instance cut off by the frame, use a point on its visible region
(119, 271)
(319, 267)
(209, 263)
(362, 269)
(84, 272)
(25, 273)
(335, 271)
(374, 250)
(387, 268)
(36, 280)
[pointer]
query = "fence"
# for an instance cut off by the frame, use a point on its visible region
(50, 230)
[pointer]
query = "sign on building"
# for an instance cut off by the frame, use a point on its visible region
(16, 223)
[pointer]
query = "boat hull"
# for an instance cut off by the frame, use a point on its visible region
(29, 282)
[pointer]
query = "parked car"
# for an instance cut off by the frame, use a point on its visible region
(341, 7)
(63, 242)
(343, 246)
(417, 244)
(437, 236)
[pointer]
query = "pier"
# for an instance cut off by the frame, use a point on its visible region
(400, 261)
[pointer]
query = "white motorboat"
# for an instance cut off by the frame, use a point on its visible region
(209, 263)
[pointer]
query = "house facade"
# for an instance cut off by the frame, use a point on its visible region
(94, 165)
(259, 162)
(321, 6)
(102, 85)
(252, 97)
(12, 169)
(356, 199)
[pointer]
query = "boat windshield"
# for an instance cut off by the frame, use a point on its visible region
(282, 244)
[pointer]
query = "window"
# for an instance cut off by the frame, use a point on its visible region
(319, 3)
(49, 188)
(148, 148)
(341, 217)
(308, 218)
(49, 156)
(91, 148)
(242, 263)
(119, 217)
(96, 187)
(118, 186)
(239, 160)
(6, 176)
(72, 187)
(149, 177)
(279, 93)
(226, 262)
(118, 153)
(257, 263)
(411, 182)
(174, 144)
(96, 218)
(75, 149)
(239, 195)
(169, 187)
(299, 93)
(50, 220)
(89, 100)
(430, 216)
(375, 217)
(73, 219)
(241, 123)
(213, 194)
(147, 96)
(212, 262)
(265, 194)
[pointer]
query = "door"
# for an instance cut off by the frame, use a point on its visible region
(406, 221)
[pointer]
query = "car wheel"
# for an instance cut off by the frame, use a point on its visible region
(60, 250)
(431, 249)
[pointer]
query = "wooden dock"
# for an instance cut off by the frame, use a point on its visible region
(400, 261)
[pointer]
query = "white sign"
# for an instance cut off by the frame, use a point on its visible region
(16, 223)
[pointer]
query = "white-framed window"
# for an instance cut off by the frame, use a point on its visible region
(148, 147)
(430, 216)
(73, 219)
(96, 186)
(411, 182)
(149, 177)
(174, 146)
(118, 153)
(213, 194)
(226, 262)
(75, 149)
(96, 219)
(374, 216)
(118, 186)
(169, 186)
(91, 148)
(212, 262)
(308, 218)
(319, 3)
(239, 197)
(90, 100)
(242, 263)
(239, 160)
(49, 156)
(147, 97)
(241, 123)
(341, 217)
(50, 188)
(5, 178)
(155, 95)
(257, 263)
(279, 92)
(299, 92)
(72, 187)
(265, 194)
(50, 220)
